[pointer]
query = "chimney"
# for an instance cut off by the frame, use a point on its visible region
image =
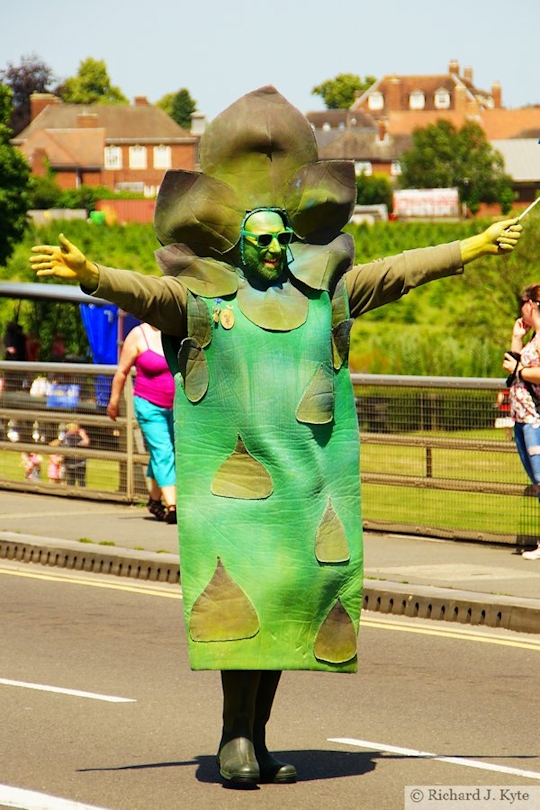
(453, 67)
(141, 101)
(38, 102)
(38, 162)
(468, 74)
(87, 120)
(460, 98)
(198, 124)
(393, 94)
(496, 92)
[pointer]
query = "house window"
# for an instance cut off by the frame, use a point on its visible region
(137, 157)
(375, 101)
(395, 168)
(417, 100)
(113, 157)
(363, 167)
(442, 100)
(162, 157)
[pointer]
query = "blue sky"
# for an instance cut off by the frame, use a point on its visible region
(221, 49)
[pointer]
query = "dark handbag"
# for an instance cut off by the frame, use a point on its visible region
(511, 379)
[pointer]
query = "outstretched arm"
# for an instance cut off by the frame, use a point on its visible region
(65, 261)
(372, 285)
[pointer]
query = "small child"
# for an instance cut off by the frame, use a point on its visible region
(55, 467)
(31, 463)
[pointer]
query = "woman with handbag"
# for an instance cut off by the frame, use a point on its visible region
(523, 364)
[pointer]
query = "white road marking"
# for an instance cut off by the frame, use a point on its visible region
(33, 800)
(75, 692)
(412, 752)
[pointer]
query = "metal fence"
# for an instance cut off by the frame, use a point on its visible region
(39, 402)
(432, 460)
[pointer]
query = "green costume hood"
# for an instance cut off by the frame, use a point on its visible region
(260, 152)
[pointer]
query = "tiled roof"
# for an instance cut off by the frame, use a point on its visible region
(340, 119)
(355, 145)
(121, 122)
(517, 123)
(68, 147)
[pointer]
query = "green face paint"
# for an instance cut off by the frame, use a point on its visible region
(265, 264)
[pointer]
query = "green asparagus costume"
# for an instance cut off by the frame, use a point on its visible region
(266, 427)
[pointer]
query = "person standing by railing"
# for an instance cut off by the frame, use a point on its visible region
(523, 364)
(153, 397)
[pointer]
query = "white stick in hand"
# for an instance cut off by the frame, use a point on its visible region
(528, 209)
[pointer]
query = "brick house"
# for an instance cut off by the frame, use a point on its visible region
(396, 105)
(357, 136)
(122, 147)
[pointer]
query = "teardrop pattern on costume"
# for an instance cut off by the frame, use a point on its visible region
(331, 541)
(336, 639)
(317, 404)
(199, 325)
(341, 325)
(242, 476)
(194, 369)
(223, 611)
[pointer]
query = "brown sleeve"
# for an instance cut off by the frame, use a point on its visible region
(160, 301)
(377, 283)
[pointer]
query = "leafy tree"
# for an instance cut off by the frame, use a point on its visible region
(91, 85)
(180, 106)
(44, 192)
(374, 190)
(33, 75)
(14, 174)
(340, 93)
(445, 157)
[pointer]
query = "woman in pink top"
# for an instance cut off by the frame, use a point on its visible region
(153, 401)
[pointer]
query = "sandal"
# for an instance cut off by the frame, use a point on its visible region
(156, 508)
(170, 516)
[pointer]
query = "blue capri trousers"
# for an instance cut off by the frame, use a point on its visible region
(157, 426)
(528, 446)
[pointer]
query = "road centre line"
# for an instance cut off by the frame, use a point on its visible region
(460, 634)
(61, 691)
(33, 800)
(412, 752)
(95, 583)
(159, 590)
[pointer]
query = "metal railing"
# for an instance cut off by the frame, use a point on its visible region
(432, 460)
(37, 403)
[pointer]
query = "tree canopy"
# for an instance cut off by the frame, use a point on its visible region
(180, 106)
(33, 75)
(340, 93)
(14, 174)
(91, 85)
(445, 157)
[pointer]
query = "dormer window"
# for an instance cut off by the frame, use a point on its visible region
(442, 100)
(375, 100)
(417, 100)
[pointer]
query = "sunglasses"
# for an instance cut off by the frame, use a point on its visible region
(263, 240)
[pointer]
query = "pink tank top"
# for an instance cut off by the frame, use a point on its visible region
(154, 382)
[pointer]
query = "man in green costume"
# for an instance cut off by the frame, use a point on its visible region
(256, 305)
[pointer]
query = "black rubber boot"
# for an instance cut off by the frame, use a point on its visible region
(236, 756)
(271, 769)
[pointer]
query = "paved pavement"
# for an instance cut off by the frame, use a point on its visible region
(472, 583)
